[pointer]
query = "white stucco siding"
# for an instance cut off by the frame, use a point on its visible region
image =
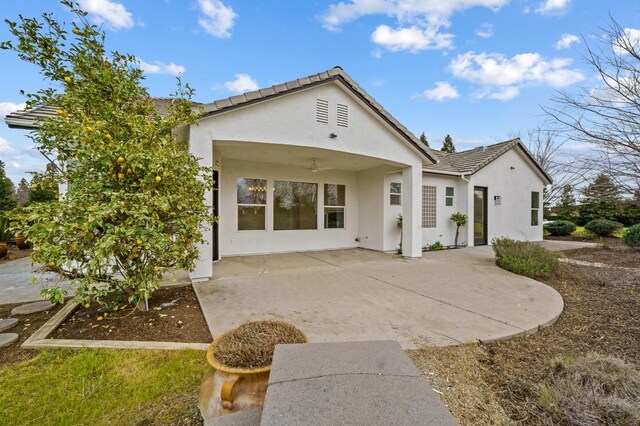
(234, 242)
(445, 230)
(370, 203)
(291, 120)
(512, 178)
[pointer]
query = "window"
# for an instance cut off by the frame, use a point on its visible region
(448, 199)
(395, 190)
(294, 205)
(252, 202)
(535, 207)
(429, 206)
(334, 202)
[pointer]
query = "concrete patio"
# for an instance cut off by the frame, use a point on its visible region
(447, 297)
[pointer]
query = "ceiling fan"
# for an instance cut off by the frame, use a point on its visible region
(314, 166)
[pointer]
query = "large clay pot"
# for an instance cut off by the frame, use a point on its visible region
(226, 390)
(21, 242)
(3, 250)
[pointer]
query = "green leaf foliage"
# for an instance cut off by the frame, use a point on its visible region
(560, 227)
(631, 237)
(523, 257)
(603, 227)
(135, 201)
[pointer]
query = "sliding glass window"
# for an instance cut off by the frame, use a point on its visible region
(252, 204)
(295, 205)
(334, 202)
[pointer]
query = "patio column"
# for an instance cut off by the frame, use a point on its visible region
(203, 149)
(412, 211)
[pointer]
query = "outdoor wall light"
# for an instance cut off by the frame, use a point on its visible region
(513, 168)
(333, 135)
(498, 200)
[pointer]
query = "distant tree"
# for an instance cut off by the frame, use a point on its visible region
(7, 199)
(448, 145)
(567, 207)
(636, 196)
(423, 139)
(602, 189)
(22, 192)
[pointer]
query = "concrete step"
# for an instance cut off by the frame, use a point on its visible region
(7, 323)
(372, 383)
(7, 338)
(241, 418)
(32, 308)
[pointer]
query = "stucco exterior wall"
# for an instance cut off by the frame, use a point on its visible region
(513, 217)
(234, 242)
(370, 203)
(445, 230)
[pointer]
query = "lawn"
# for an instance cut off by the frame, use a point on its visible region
(100, 386)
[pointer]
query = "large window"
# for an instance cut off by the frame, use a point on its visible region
(429, 206)
(252, 204)
(395, 193)
(294, 205)
(535, 208)
(334, 202)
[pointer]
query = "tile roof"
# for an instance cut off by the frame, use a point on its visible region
(335, 73)
(471, 161)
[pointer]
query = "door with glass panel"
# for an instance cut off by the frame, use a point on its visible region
(479, 216)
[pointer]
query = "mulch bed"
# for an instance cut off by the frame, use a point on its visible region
(15, 254)
(616, 256)
(174, 316)
(27, 325)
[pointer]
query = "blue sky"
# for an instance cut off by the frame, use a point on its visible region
(476, 69)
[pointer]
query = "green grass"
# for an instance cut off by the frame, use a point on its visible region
(100, 386)
(617, 234)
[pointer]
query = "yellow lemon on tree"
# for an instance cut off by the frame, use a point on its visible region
(34, 186)
(129, 170)
(108, 136)
(67, 79)
(120, 176)
(52, 264)
(139, 242)
(156, 269)
(76, 31)
(158, 178)
(120, 160)
(89, 129)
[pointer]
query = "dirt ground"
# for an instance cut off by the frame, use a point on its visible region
(174, 316)
(615, 256)
(601, 316)
(27, 325)
(14, 254)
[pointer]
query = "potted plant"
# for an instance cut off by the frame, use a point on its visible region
(5, 235)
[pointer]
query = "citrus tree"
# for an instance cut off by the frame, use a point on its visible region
(135, 200)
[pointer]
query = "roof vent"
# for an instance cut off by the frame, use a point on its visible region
(322, 111)
(343, 115)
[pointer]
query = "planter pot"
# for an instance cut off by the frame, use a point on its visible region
(226, 390)
(3, 250)
(21, 242)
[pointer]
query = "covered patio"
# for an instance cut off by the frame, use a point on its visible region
(445, 298)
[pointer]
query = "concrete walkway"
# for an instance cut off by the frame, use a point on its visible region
(445, 298)
(16, 281)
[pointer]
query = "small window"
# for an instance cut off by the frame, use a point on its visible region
(535, 208)
(252, 202)
(429, 198)
(343, 115)
(334, 202)
(448, 200)
(395, 193)
(322, 111)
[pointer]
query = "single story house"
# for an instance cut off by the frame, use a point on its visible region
(316, 164)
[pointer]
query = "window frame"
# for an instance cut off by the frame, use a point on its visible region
(334, 206)
(260, 205)
(449, 200)
(396, 194)
(535, 208)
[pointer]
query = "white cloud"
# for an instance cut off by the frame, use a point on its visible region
(630, 40)
(485, 30)
(7, 108)
(552, 7)
(242, 83)
(502, 78)
(413, 38)
(216, 19)
(108, 12)
(566, 41)
(419, 22)
(5, 148)
(162, 68)
(377, 53)
(442, 91)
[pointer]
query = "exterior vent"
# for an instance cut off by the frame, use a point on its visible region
(343, 115)
(322, 111)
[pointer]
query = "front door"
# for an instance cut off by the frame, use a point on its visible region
(479, 216)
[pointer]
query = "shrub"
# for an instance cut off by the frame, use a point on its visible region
(590, 390)
(560, 227)
(583, 234)
(631, 237)
(524, 258)
(436, 246)
(603, 227)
